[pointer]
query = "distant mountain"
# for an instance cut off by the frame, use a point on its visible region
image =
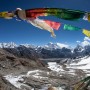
(57, 50)
(24, 52)
(51, 46)
(50, 50)
(80, 51)
(8, 45)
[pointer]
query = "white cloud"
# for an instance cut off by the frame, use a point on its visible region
(86, 39)
(85, 43)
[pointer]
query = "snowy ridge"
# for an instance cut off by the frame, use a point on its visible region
(28, 45)
(8, 45)
(51, 45)
(83, 64)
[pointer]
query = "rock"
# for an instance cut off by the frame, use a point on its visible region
(52, 88)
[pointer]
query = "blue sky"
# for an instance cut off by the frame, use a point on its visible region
(22, 32)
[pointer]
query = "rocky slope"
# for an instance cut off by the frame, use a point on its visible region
(10, 63)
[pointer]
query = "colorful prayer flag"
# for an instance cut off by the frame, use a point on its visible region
(86, 32)
(66, 14)
(54, 25)
(71, 28)
(42, 25)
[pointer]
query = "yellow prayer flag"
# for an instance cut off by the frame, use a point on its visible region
(86, 32)
(3, 14)
(6, 15)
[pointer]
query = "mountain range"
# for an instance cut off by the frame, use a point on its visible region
(50, 50)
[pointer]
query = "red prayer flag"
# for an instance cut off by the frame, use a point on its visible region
(34, 13)
(54, 25)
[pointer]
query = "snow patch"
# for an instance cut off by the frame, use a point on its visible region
(83, 64)
(58, 68)
(14, 80)
(54, 66)
(36, 74)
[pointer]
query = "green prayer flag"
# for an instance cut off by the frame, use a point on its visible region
(70, 27)
(66, 14)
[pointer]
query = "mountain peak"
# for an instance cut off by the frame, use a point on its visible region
(62, 45)
(51, 45)
(8, 45)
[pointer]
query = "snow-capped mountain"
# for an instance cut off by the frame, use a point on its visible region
(28, 45)
(8, 45)
(51, 45)
(50, 50)
(80, 50)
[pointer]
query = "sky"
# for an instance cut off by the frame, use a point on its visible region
(22, 32)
